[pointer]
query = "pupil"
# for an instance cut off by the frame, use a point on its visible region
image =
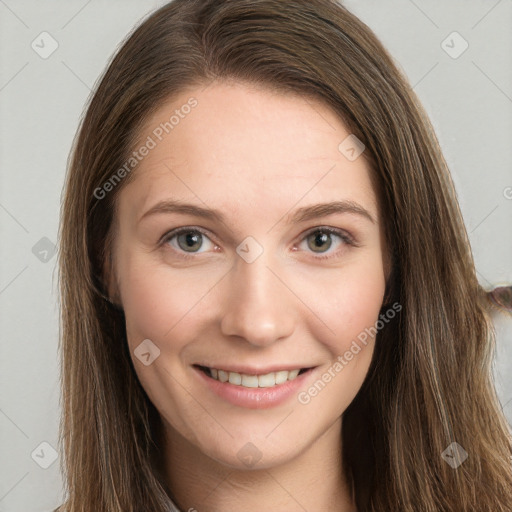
(320, 238)
(191, 240)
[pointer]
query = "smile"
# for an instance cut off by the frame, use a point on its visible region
(267, 380)
(254, 388)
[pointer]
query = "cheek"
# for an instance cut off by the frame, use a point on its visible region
(349, 306)
(346, 302)
(160, 303)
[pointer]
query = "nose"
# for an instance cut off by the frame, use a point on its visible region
(260, 307)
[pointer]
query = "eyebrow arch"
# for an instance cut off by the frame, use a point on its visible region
(300, 215)
(175, 206)
(324, 209)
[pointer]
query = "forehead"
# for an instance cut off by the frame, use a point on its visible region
(237, 146)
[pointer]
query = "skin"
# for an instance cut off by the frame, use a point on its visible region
(256, 156)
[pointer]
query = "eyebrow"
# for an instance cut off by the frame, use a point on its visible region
(302, 214)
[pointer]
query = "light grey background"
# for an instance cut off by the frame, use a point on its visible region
(469, 99)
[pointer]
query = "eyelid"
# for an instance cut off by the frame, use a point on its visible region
(178, 231)
(342, 233)
(346, 237)
(184, 229)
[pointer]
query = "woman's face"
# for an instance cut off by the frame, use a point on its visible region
(254, 287)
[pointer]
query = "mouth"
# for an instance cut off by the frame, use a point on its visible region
(267, 380)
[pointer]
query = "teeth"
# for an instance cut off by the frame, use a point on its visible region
(254, 381)
(281, 377)
(235, 378)
(250, 381)
(267, 381)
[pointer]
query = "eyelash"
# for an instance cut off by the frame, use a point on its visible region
(345, 237)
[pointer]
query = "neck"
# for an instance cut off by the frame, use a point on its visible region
(313, 480)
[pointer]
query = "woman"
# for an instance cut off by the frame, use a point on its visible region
(213, 357)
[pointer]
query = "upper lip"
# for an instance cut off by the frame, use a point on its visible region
(256, 370)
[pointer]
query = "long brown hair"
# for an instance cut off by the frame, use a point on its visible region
(429, 384)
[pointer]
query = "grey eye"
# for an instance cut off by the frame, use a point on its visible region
(319, 239)
(190, 241)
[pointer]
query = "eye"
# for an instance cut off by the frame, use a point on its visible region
(191, 239)
(320, 241)
(188, 240)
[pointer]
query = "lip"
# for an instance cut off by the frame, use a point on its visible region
(255, 398)
(255, 370)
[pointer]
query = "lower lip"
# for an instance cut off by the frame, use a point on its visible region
(255, 398)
